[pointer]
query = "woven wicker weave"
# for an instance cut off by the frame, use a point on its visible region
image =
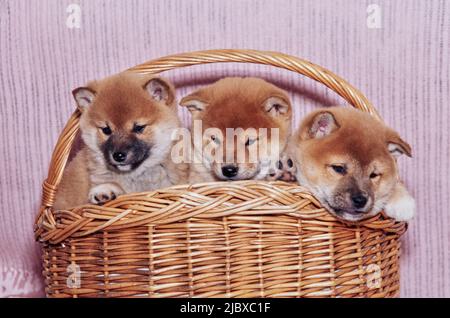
(221, 239)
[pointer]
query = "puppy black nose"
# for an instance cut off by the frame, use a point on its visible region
(229, 171)
(359, 200)
(119, 156)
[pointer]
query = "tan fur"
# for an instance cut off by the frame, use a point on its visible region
(74, 187)
(237, 103)
(360, 143)
(121, 101)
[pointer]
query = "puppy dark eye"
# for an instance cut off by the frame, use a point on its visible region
(339, 169)
(215, 139)
(106, 130)
(373, 175)
(138, 129)
(249, 142)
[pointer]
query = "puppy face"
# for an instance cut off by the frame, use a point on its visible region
(127, 120)
(347, 160)
(232, 112)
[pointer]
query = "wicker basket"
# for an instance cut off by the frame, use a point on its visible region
(221, 239)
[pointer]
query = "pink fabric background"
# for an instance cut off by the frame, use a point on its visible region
(403, 68)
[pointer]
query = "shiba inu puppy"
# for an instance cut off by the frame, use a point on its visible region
(126, 125)
(347, 159)
(247, 105)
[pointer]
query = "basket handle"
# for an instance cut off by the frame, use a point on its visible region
(291, 63)
(288, 62)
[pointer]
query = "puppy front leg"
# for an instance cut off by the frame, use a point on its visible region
(104, 192)
(401, 205)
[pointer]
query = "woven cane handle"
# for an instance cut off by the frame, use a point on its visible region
(291, 63)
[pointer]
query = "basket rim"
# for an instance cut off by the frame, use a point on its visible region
(133, 209)
(46, 226)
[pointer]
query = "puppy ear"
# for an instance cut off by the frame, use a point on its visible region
(195, 103)
(160, 90)
(84, 97)
(277, 106)
(397, 146)
(320, 126)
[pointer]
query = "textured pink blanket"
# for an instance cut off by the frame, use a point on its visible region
(402, 67)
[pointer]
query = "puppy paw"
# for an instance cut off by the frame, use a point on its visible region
(284, 169)
(402, 209)
(103, 193)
